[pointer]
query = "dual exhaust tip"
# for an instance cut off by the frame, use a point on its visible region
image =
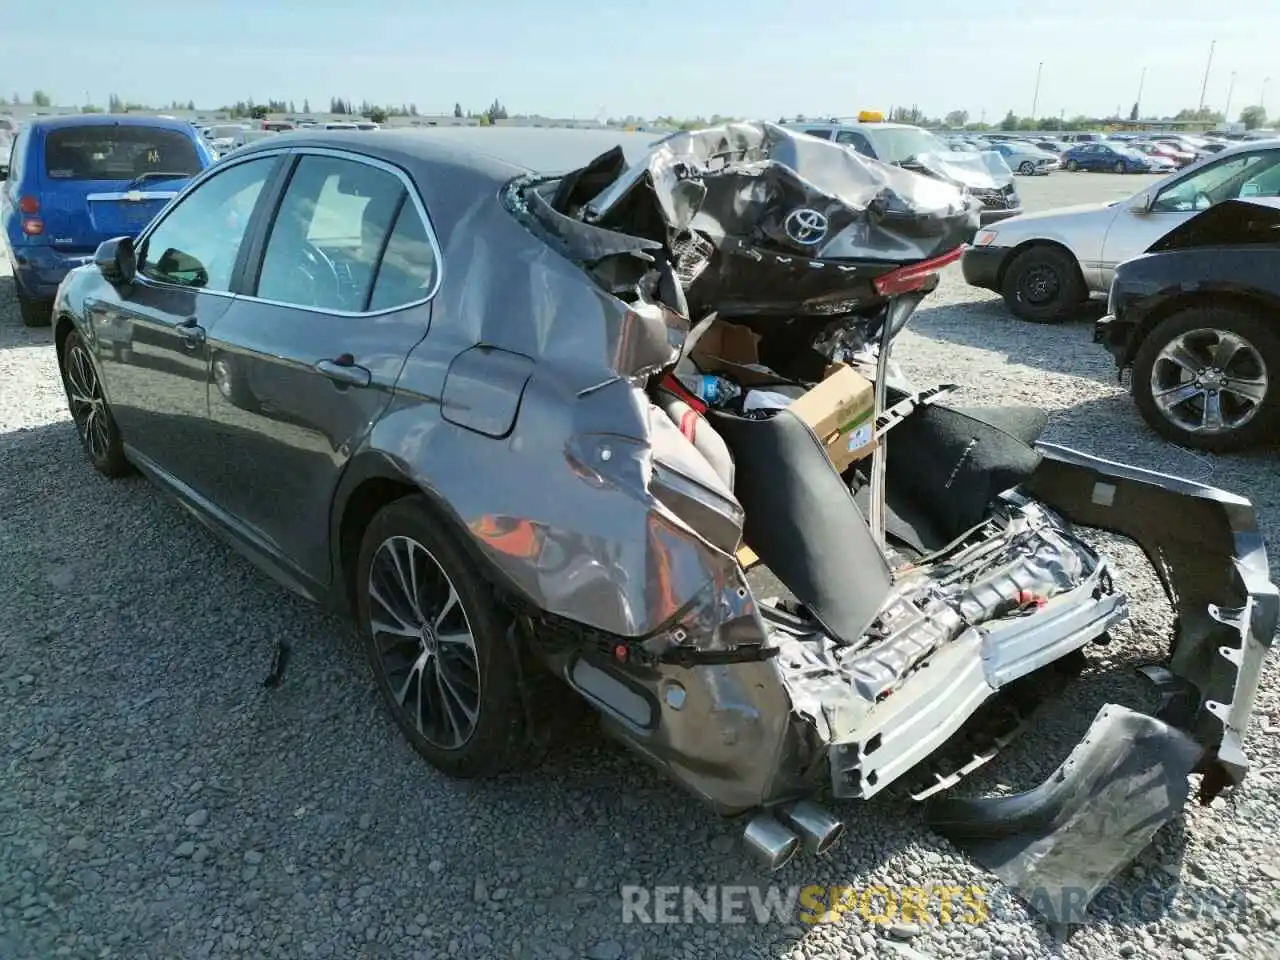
(774, 842)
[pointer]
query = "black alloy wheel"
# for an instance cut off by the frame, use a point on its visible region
(437, 643)
(89, 409)
(1206, 378)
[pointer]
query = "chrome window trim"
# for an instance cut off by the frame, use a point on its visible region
(412, 192)
(161, 285)
(208, 174)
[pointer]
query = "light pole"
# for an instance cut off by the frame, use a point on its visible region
(1204, 87)
(1035, 97)
(1142, 81)
(1226, 113)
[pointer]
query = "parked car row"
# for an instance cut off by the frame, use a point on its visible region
(290, 350)
(1189, 265)
(1112, 153)
(225, 137)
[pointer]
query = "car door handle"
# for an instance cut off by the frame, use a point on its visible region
(344, 370)
(191, 332)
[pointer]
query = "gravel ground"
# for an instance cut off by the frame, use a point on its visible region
(157, 802)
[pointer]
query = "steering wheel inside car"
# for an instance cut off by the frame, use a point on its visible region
(324, 285)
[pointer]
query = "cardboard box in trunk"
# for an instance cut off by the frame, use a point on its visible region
(840, 409)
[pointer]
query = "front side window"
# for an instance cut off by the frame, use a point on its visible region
(1224, 180)
(329, 234)
(198, 241)
(118, 152)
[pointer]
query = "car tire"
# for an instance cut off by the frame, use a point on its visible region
(470, 723)
(1073, 165)
(1026, 168)
(34, 313)
(1120, 167)
(1043, 285)
(90, 412)
(1255, 363)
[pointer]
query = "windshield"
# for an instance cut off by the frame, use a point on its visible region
(111, 152)
(1225, 180)
(896, 144)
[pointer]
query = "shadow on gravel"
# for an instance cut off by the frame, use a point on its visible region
(127, 619)
(13, 333)
(156, 786)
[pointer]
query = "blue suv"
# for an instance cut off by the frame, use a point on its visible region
(75, 181)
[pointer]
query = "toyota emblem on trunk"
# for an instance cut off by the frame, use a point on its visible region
(805, 226)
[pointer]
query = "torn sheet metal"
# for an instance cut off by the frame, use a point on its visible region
(977, 171)
(1206, 548)
(764, 220)
(1059, 844)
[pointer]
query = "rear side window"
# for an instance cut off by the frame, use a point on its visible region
(16, 157)
(407, 272)
(110, 152)
(820, 134)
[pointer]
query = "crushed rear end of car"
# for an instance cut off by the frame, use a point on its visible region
(927, 578)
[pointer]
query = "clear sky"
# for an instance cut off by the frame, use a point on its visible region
(758, 58)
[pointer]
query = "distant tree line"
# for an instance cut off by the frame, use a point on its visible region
(1253, 116)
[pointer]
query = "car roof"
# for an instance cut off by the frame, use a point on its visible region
(108, 119)
(504, 151)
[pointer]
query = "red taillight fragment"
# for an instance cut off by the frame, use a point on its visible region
(32, 226)
(914, 275)
(29, 204)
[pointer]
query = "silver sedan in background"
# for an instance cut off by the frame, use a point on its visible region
(1026, 158)
(1047, 264)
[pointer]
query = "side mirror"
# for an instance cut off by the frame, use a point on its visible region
(1142, 203)
(117, 260)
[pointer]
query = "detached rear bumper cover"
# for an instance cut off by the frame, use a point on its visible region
(1059, 844)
